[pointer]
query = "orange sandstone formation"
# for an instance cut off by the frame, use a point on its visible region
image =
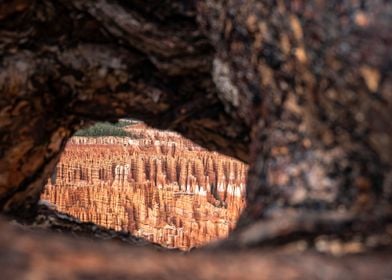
(155, 184)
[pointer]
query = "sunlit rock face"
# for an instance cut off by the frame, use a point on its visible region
(154, 184)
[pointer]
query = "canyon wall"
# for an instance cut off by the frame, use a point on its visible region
(154, 184)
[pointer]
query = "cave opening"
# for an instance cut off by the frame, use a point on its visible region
(151, 184)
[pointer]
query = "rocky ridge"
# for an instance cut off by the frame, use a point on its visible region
(156, 185)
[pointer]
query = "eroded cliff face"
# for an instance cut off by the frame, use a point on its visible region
(155, 184)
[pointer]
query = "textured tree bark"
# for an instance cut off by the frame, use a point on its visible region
(316, 77)
(32, 255)
(67, 63)
(299, 89)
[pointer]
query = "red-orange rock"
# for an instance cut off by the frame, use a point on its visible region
(156, 185)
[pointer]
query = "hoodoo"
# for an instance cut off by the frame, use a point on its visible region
(156, 185)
